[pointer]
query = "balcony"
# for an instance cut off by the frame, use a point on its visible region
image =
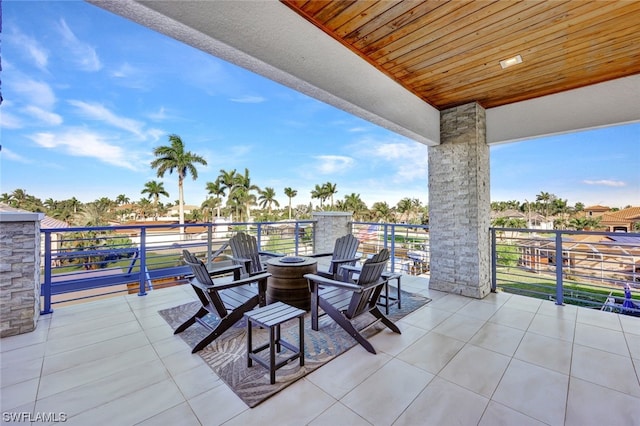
(506, 359)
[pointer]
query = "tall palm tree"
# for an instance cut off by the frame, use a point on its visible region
(174, 157)
(330, 189)
(218, 190)
(319, 193)
(154, 190)
(227, 180)
(354, 203)
(268, 199)
(544, 198)
(382, 212)
(122, 199)
(290, 193)
(242, 191)
(209, 205)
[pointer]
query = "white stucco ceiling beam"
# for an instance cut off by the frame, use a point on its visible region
(269, 39)
(606, 104)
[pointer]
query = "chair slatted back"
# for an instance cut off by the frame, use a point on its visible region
(244, 246)
(346, 247)
(369, 275)
(210, 297)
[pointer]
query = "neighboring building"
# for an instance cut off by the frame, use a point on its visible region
(625, 220)
(595, 211)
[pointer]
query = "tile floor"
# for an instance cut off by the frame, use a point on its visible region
(504, 360)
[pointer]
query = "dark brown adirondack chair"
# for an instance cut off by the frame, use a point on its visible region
(346, 301)
(226, 299)
(343, 254)
(244, 252)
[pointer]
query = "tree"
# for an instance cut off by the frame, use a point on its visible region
(208, 205)
(218, 190)
(330, 189)
(268, 198)
(227, 180)
(154, 190)
(241, 192)
(93, 214)
(174, 157)
(122, 199)
(290, 193)
(382, 212)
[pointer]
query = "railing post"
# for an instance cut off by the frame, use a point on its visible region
(393, 248)
(46, 288)
(210, 227)
(259, 235)
(296, 239)
(494, 261)
(559, 268)
(143, 261)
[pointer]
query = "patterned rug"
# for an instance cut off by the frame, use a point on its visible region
(227, 354)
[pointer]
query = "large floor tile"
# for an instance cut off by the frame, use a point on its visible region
(499, 415)
(398, 384)
(599, 318)
(393, 343)
(338, 414)
(512, 317)
(605, 369)
(459, 327)
(498, 338)
(427, 318)
(534, 391)
(181, 414)
(601, 338)
(431, 352)
(339, 376)
(479, 309)
(295, 405)
(630, 325)
(554, 354)
(217, 405)
(591, 405)
(463, 369)
(557, 328)
(444, 403)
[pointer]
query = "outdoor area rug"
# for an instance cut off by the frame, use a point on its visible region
(227, 354)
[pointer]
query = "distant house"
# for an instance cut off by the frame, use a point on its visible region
(596, 211)
(624, 220)
(534, 220)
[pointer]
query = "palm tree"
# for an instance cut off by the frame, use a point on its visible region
(174, 157)
(290, 193)
(122, 199)
(209, 204)
(154, 190)
(330, 189)
(227, 180)
(217, 189)
(545, 198)
(354, 203)
(241, 192)
(93, 214)
(320, 192)
(382, 212)
(268, 199)
(143, 207)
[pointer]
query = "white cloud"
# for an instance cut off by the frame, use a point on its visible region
(34, 92)
(46, 117)
(248, 99)
(84, 55)
(9, 121)
(331, 164)
(407, 160)
(7, 154)
(605, 182)
(97, 111)
(30, 48)
(82, 143)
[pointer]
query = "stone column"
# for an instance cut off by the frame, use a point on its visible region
(329, 227)
(19, 272)
(459, 204)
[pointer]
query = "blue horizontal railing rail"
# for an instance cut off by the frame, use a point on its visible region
(599, 270)
(408, 244)
(81, 259)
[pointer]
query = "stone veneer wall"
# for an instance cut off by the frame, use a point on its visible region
(459, 204)
(19, 272)
(329, 227)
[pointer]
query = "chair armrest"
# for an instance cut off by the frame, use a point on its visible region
(320, 254)
(243, 281)
(272, 254)
(226, 270)
(317, 279)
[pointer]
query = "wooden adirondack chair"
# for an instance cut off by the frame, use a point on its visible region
(227, 300)
(244, 252)
(344, 254)
(346, 301)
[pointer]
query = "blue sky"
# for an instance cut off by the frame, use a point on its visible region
(88, 95)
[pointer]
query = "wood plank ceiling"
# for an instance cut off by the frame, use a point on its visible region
(448, 53)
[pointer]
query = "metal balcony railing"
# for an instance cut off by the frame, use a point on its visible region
(594, 269)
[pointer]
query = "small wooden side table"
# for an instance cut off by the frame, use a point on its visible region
(271, 317)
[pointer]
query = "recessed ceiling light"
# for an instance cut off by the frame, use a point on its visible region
(505, 63)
